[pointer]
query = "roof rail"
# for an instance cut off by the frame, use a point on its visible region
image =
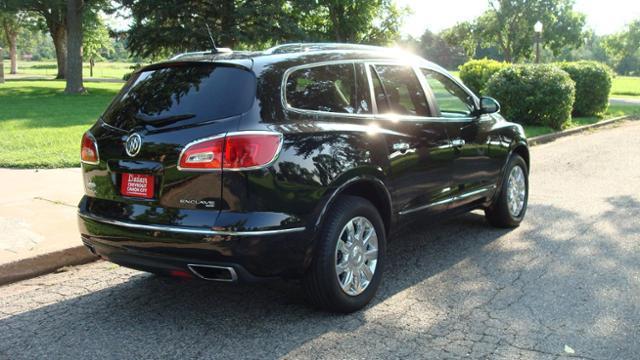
(208, 52)
(306, 47)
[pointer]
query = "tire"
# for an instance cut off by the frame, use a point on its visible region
(323, 282)
(499, 213)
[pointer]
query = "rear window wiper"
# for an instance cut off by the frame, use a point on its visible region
(163, 120)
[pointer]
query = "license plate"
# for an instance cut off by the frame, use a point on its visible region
(137, 185)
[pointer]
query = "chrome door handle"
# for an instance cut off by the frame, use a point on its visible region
(457, 142)
(402, 147)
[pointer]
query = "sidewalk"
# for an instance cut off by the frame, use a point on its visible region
(625, 101)
(38, 226)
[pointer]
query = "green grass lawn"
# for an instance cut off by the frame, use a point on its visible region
(41, 127)
(613, 111)
(107, 70)
(626, 87)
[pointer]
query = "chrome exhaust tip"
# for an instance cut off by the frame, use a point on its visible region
(213, 272)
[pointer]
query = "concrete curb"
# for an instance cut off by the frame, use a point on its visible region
(44, 264)
(547, 138)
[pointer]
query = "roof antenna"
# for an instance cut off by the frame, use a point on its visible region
(213, 43)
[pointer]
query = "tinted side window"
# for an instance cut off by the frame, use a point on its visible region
(331, 88)
(452, 100)
(398, 90)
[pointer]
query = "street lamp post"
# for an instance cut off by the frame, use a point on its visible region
(538, 29)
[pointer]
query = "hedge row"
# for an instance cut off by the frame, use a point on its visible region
(593, 85)
(542, 94)
(534, 95)
(476, 73)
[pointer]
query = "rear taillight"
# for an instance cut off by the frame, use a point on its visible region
(235, 151)
(89, 149)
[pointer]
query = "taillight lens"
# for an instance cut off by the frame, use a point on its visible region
(206, 154)
(237, 151)
(89, 149)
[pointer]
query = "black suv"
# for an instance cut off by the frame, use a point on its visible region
(294, 162)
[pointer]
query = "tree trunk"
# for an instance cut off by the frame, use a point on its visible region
(13, 52)
(1, 67)
(337, 26)
(74, 47)
(59, 36)
(11, 35)
(92, 63)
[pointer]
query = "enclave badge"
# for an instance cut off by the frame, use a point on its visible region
(133, 144)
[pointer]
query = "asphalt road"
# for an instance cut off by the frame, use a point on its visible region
(564, 284)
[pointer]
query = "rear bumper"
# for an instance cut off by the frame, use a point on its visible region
(253, 255)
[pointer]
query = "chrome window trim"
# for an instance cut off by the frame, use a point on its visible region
(187, 230)
(374, 115)
(95, 142)
(232, 133)
(476, 100)
(449, 200)
(283, 90)
(396, 117)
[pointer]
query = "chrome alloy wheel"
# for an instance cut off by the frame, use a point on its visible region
(516, 191)
(356, 255)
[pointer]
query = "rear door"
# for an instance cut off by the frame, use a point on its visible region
(474, 172)
(143, 132)
(420, 155)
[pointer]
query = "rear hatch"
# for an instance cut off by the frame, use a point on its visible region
(142, 133)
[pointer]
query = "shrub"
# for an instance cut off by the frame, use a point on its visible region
(593, 85)
(534, 94)
(476, 73)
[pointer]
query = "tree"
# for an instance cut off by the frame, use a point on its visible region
(434, 47)
(462, 35)
(354, 21)
(75, 12)
(10, 25)
(1, 66)
(53, 18)
(624, 49)
(509, 23)
(162, 27)
(95, 42)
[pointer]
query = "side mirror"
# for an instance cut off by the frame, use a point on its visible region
(488, 105)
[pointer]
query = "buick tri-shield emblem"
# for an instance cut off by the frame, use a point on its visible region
(133, 144)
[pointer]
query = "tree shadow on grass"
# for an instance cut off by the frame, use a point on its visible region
(455, 289)
(49, 107)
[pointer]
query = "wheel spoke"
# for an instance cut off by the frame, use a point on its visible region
(357, 281)
(347, 281)
(367, 237)
(368, 274)
(371, 254)
(342, 267)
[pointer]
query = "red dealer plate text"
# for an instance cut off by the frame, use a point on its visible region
(137, 185)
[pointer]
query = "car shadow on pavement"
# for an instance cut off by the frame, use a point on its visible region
(454, 289)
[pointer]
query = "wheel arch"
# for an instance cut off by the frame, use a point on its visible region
(522, 150)
(368, 187)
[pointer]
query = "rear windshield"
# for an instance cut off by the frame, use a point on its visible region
(185, 93)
